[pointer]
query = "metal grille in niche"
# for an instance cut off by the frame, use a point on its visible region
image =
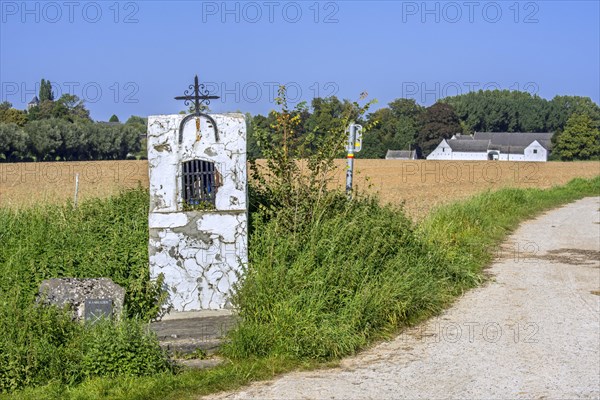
(200, 183)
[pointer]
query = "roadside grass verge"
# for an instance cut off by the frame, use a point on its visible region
(357, 273)
(101, 238)
(189, 384)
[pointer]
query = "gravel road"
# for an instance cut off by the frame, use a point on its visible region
(532, 332)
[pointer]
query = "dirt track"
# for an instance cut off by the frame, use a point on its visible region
(532, 332)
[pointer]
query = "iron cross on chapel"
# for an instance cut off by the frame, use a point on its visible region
(199, 95)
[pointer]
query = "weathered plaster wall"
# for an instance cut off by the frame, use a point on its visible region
(200, 253)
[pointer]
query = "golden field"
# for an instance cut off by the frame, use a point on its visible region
(26, 184)
(420, 185)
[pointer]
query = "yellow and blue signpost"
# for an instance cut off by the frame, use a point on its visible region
(354, 146)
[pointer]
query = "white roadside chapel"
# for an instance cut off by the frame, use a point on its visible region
(198, 204)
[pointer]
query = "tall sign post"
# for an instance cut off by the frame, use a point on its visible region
(354, 146)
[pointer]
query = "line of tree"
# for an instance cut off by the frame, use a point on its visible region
(404, 124)
(62, 130)
(55, 139)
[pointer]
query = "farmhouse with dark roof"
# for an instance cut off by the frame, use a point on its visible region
(506, 146)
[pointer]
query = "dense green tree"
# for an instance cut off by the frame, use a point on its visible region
(437, 122)
(130, 142)
(141, 127)
(114, 118)
(43, 110)
(252, 149)
(11, 115)
(134, 119)
(384, 135)
(326, 112)
(72, 108)
(46, 91)
(70, 134)
(74, 140)
(393, 128)
(373, 147)
(562, 107)
(58, 139)
(45, 138)
(141, 123)
(13, 142)
(259, 124)
(500, 111)
(580, 139)
(514, 111)
(531, 114)
(68, 107)
(405, 107)
(142, 154)
(324, 119)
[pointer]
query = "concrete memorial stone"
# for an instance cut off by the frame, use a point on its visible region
(88, 298)
(198, 206)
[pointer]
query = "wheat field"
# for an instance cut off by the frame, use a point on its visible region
(420, 185)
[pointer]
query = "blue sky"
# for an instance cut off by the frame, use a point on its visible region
(133, 57)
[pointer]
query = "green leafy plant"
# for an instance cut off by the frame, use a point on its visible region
(294, 179)
(101, 238)
(127, 348)
(358, 273)
(201, 206)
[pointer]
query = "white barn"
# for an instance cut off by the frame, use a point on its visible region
(505, 146)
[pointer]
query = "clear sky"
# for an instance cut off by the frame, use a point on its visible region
(132, 57)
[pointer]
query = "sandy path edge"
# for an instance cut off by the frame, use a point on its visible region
(532, 332)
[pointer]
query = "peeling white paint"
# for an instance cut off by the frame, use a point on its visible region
(170, 220)
(200, 253)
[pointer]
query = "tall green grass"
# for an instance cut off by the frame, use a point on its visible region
(356, 273)
(102, 238)
(366, 270)
(325, 292)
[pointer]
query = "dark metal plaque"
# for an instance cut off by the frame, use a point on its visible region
(95, 309)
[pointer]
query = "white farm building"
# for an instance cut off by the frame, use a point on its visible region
(505, 146)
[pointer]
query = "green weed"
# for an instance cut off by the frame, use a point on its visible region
(101, 238)
(357, 273)
(326, 277)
